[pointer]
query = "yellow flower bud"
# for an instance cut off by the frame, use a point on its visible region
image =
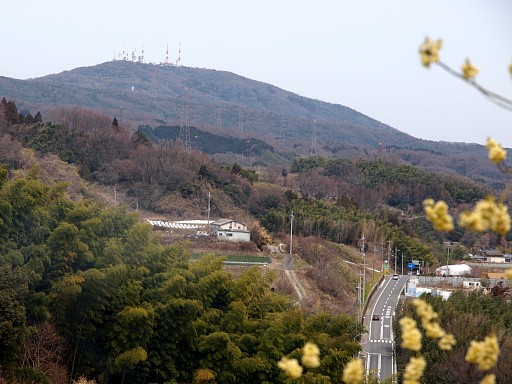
(411, 336)
(353, 372)
(484, 353)
(291, 367)
(469, 71)
(429, 51)
(414, 370)
(437, 214)
(495, 151)
(311, 355)
(489, 379)
(447, 342)
(508, 272)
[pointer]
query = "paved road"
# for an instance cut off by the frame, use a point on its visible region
(379, 346)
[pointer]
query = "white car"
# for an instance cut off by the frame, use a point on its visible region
(395, 276)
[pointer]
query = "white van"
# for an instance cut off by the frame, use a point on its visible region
(395, 276)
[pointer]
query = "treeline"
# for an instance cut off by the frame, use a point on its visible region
(373, 183)
(468, 316)
(86, 290)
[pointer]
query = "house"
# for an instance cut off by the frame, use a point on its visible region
(493, 256)
(230, 230)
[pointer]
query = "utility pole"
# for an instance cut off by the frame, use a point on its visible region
(396, 254)
(382, 254)
(402, 263)
(359, 302)
(115, 196)
(364, 269)
(208, 220)
(291, 232)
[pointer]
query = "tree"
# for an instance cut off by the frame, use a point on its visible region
(13, 289)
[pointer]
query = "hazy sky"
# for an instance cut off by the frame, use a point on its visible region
(358, 53)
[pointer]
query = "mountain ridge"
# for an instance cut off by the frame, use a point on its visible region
(221, 101)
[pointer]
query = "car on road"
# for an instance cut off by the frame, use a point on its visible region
(395, 276)
(376, 317)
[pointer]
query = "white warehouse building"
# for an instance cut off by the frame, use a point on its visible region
(230, 230)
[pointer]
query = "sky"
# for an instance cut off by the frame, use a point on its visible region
(359, 53)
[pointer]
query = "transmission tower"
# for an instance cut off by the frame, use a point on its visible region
(219, 117)
(184, 128)
(313, 151)
(240, 121)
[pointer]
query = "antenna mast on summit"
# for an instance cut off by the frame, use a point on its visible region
(167, 55)
(178, 62)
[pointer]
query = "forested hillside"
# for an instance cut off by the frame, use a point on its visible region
(87, 284)
(227, 104)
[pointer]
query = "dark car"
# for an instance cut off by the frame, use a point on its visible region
(376, 317)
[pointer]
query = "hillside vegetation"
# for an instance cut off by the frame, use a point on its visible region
(231, 105)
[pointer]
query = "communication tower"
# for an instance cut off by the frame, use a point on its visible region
(167, 55)
(178, 61)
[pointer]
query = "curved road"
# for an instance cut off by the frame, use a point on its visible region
(379, 347)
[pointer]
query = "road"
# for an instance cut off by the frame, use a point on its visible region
(379, 346)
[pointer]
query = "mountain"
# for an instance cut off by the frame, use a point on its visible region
(228, 104)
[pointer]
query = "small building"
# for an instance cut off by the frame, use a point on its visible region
(493, 256)
(230, 230)
(471, 285)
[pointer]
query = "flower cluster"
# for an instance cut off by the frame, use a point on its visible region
(353, 372)
(429, 51)
(414, 370)
(484, 353)
(411, 336)
(469, 71)
(311, 355)
(291, 367)
(487, 214)
(438, 214)
(496, 153)
(432, 328)
(310, 359)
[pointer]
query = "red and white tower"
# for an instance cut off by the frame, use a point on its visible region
(167, 55)
(178, 62)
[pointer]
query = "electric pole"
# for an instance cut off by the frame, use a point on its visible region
(291, 232)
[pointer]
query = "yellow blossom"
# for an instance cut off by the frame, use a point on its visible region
(447, 342)
(495, 151)
(469, 71)
(437, 213)
(487, 214)
(510, 68)
(411, 336)
(204, 375)
(433, 329)
(414, 370)
(489, 379)
(311, 355)
(291, 367)
(353, 372)
(508, 273)
(429, 51)
(484, 353)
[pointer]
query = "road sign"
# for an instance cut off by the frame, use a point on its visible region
(410, 265)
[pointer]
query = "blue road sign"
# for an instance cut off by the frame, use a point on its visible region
(410, 265)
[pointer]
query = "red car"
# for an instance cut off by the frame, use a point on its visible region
(376, 317)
